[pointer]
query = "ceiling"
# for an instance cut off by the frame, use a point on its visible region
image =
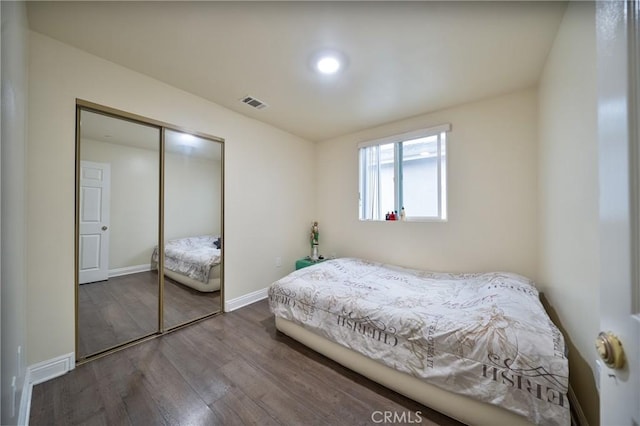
(404, 59)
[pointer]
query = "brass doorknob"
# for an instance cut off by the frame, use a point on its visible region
(610, 349)
(104, 228)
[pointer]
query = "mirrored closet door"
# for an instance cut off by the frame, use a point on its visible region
(192, 226)
(140, 185)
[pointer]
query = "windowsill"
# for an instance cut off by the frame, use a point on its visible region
(409, 219)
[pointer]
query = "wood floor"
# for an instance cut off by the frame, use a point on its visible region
(125, 308)
(232, 369)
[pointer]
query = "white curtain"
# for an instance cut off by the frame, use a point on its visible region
(370, 189)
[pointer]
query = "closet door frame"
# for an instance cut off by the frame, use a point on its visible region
(83, 105)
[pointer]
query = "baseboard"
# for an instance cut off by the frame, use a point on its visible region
(41, 372)
(25, 401)
(247, 299)
(129, 270)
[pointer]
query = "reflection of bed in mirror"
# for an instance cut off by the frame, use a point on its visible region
(192, 261)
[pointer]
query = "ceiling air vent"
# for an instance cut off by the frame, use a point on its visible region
(256, 103)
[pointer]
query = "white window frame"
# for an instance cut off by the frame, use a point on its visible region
(397, 140)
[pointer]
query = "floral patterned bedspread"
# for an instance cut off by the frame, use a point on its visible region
(192, 256)
(483, 335)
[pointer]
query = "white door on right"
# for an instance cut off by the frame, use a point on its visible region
(619, 169)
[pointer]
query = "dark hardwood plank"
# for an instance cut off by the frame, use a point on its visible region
(271, 396)
(236, 408)
(177, 401)
(232, 369)
(74, 400)
(125, 399)
(202, 370)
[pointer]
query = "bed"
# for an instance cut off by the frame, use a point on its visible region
(477, 347)
(192, 261)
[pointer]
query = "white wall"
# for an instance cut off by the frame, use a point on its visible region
(269, 198)
(492, 193)
(192, 196)
(13, 251)
(568, 181)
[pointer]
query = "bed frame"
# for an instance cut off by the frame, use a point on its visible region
(459, 407)
(212, 285)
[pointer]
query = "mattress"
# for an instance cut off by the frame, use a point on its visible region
(485, 336)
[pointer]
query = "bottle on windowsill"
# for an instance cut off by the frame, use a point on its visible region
(403, 214)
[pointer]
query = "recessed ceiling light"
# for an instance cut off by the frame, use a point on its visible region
(188, 140)
(328, 62)
(328, 65)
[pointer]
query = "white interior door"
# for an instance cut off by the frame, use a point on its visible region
(618, 80)
(95, 181)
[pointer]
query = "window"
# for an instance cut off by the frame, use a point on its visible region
(407, 170)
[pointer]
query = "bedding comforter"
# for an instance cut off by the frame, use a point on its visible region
(192, 256)
(483, 335)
